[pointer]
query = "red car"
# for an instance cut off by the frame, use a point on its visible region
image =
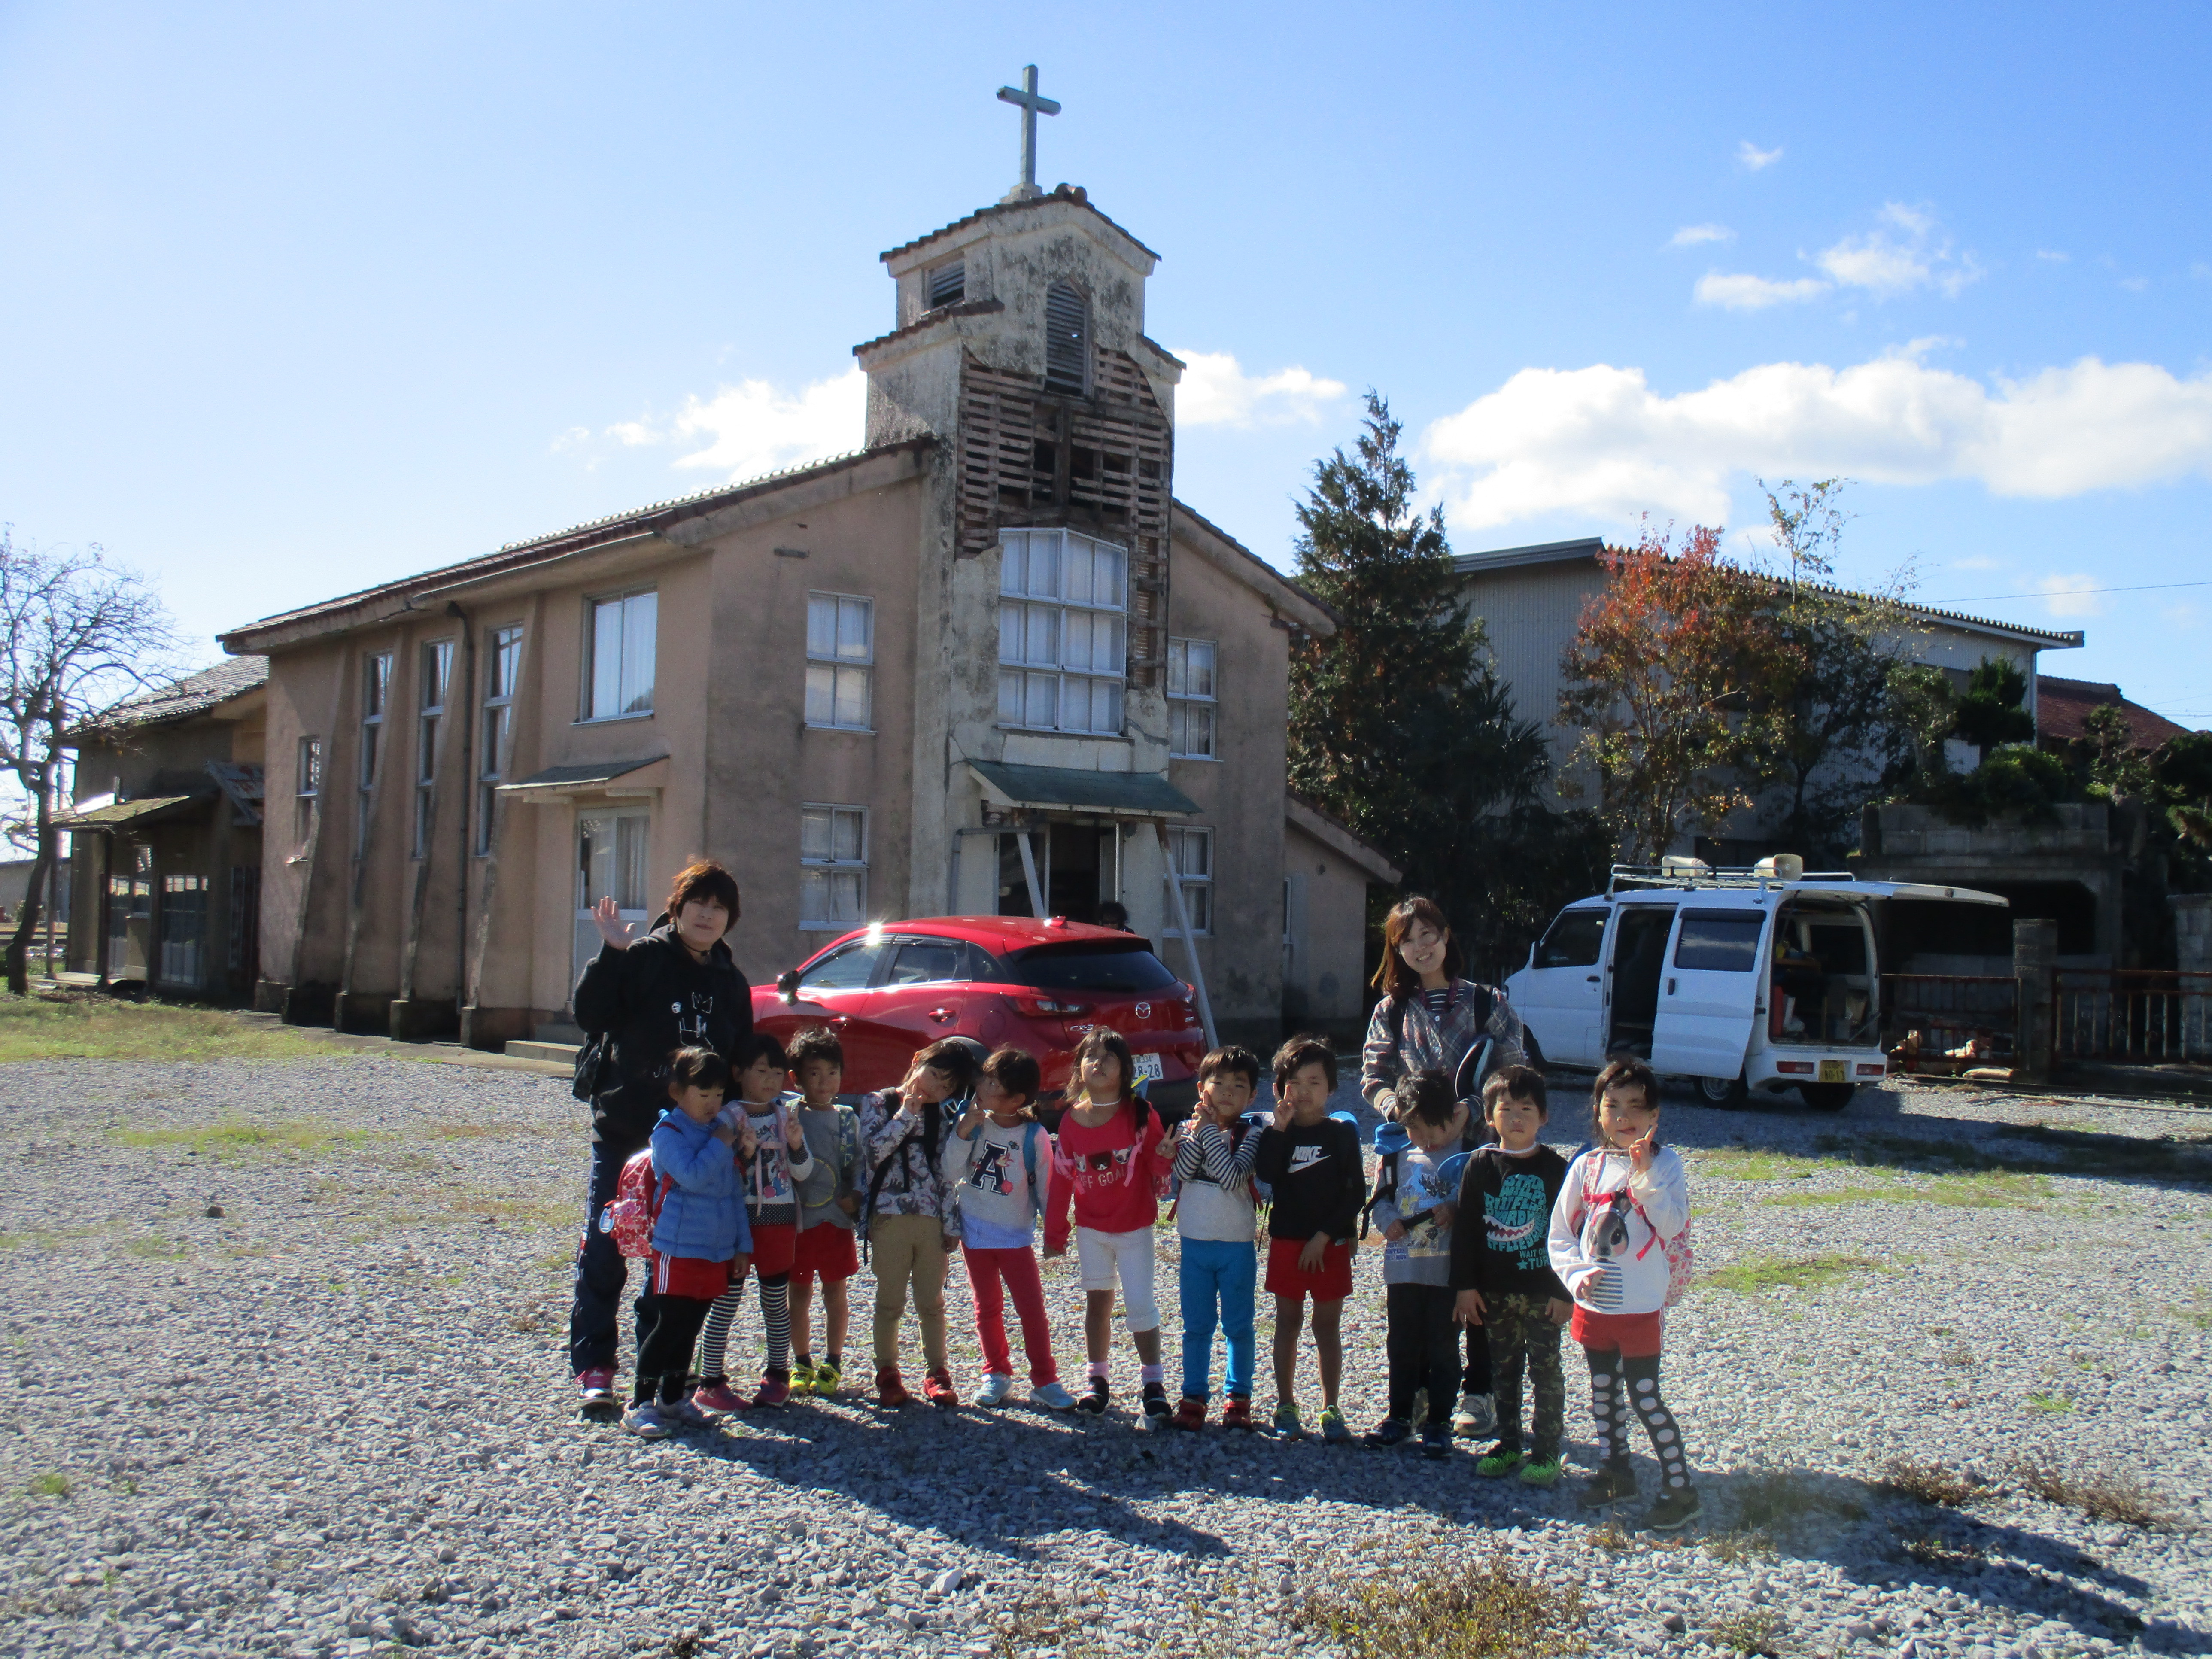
(898, 986)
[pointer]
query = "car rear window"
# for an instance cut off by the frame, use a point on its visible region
(1090, 967)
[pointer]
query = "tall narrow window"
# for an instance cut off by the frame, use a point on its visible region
(375, 693)
(307, 789)
(1191, 697)
(833, 866)
(1063, 632)
(841, 645)
(1067, 340)
(948, 284)
(1193, 853)
(620, 681)
(429, 726)
(503, 664)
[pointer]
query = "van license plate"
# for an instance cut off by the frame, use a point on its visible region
(1831, 1071)
(1148, 1065)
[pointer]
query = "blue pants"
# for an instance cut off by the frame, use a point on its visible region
(1218, 1274)
(601, 1272)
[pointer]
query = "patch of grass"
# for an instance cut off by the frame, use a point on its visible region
(518, 1212)
(1989, 1190)
(75, 1025)
(2049, 1402)
(1931, 1483)
(2101, 1494)
(1773, 1500)
(472, 1131)
(1941, 1552)
(2201, 1315)
(1755, 1631)
(50, 1485)
(1744, 1163)
(1447, 1610)
(1758, 1274)
(1045, 1618)
(152, 1248)
(238, 1136)
(1740, 1544)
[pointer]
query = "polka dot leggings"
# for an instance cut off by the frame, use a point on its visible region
(1616, 1386)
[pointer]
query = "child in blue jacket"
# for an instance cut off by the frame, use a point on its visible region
(700, 1237)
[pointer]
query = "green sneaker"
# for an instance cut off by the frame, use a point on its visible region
(828, 1378)
(1542, 1471)
(1334, 1429)
(1286, 1422)
(802, 1375)
(1502, 1460)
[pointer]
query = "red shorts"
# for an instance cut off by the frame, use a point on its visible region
(772, 1247)
(1330, 1282)
(685, 1276)
(825, 1248)
(1637, 1336)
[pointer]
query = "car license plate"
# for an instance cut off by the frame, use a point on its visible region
(1148, 1065)
(1834, 1070)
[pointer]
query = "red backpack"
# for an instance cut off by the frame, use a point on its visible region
(636, 1204)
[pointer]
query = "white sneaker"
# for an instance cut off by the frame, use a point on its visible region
(1052, 1397)
(1476, 1418)
(647, 1423)
(997, 1385)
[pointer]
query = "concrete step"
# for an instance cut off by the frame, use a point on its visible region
(562, 1054)
(558, 1030)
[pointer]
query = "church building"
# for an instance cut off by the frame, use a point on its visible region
(985, 663)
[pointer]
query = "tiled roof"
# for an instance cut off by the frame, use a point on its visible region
(181, 699)
(1072, 197)
(942, 314)
(2061, 706)
(518, 553)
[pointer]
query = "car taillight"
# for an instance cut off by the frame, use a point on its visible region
(1050, 1007)
(1795, 1067)
(1875, 1070)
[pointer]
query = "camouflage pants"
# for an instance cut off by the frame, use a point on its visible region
(1524, 1340)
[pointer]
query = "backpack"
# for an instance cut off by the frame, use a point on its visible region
(634, 1210)
(1682, 1258)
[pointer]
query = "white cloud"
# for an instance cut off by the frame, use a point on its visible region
(753, 427)
(1690, 235)
(2054, 257)
(1756, 159)
(2072, 596)
(1216, 390)
(1600, 442)
(1904, 251)
(2134, 284)
(1746, 293)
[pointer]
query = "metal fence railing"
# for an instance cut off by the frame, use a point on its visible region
(2138, 1016)
(1947, 1021)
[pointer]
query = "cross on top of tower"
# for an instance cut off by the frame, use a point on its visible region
(1031, 106)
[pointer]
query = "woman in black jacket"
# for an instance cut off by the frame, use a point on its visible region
(676, 988)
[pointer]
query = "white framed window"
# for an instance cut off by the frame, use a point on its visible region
(833, 868)
(1193, 853)
(840, 648)
(375, 693)
(429, 727)
(502, 667)
(611, 851)
(1063, 631)
(1191, 698)
(618, 676)
(306, 788)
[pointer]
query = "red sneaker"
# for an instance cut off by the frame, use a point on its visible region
(937, 1388)
(718, 1400)
(890, 1391)
(1190, 1412)
(775, 1388)
(1237, 1414)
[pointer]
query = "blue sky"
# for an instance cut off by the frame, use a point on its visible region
(300, 298)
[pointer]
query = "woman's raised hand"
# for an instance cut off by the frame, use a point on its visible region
(606, 915)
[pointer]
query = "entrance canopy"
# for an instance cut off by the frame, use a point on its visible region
(132, 814)
(1066, 789)
(615, 777)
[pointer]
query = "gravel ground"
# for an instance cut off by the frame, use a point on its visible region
(282, 1375)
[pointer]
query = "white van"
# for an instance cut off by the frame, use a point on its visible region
(1766, 978)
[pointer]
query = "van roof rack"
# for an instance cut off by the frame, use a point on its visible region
(1689, 874)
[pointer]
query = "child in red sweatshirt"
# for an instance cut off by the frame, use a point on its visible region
(1110, 1159)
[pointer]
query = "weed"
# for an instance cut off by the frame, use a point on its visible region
(1759, 1274)
(1941, 1552)
(1931, 1483)
(1740, 1544)
(1448, 1610)
(2100, 1494)
(2039, 1401)
(1960, 1357)
(1044, 1618)
(233, 1137)
(51, 1485)
(93, 1027)
(1611, 1539)
(1756, 1631)
(2201, 1315)
(1774, 1499)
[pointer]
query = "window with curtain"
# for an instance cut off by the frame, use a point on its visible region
(833, 866)
(1191, 697)
(623, 638)
(840, 648)
(1193, 853)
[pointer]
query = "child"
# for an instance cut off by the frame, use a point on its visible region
(772, 1156)
(910, 1212)
(1314, 1165)
(700, 1239)
(828, 1199)
(997, 1152)
(1213, 1155)
(1619, 1203)
(1417, 1216)
(1108, 1162)
(1501, 1266)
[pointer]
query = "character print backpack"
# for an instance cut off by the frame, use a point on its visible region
(1682, 1258)
(639, 1194)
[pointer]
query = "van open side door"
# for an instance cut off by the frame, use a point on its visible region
(1708, 991)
